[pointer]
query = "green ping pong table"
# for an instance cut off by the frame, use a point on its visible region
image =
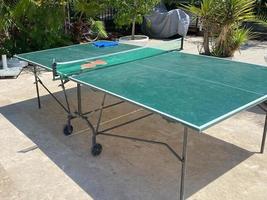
(196, 91)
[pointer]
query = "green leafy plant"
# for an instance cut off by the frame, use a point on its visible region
(234, 40)
(261, 12)
(207, 12)
(231, 35)
(261, 7)
(30, 25)
(85, 19)
(221, 21)
(130, 12)
(89, 8)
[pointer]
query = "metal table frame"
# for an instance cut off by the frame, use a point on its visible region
(97, 148)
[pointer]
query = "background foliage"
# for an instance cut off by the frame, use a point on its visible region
(84, 19)
(32, 25)
(130, 12)
(29, 25)
(221, 22)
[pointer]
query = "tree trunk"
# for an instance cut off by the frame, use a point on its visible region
(133, 28)
(206, 42)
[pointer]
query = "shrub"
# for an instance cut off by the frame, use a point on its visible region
(221, 21)
(130, 12)
(29, 25)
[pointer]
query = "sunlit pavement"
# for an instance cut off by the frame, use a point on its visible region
(38, 162)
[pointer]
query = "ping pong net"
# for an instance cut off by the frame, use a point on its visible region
(82, 65)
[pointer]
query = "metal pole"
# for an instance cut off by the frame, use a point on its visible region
(37, 87)
(65, 94)
(39, 80)
(264, 135)
(95, 130)
(183, 171)
(182, 43)
(79, 98)
(100, 114)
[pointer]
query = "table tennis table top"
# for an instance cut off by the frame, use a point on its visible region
(197, 91)
(45, 58)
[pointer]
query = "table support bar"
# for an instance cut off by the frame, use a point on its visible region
(79, 98)
(37, 86)
(184, 159)
(264, 135)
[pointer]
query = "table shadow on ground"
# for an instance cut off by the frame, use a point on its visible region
(125, 169)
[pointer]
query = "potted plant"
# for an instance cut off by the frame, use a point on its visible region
(131, 12)
(221, 22)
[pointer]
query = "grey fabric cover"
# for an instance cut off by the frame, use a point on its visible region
(164, 24)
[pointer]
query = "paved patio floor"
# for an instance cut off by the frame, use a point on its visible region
(37, 162)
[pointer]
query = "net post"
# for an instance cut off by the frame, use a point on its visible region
(54, 68)
(182, 43)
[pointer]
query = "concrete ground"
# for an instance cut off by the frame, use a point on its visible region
(38, 162)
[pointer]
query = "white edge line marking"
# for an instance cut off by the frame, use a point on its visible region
(229, 114)
(32, 62)
(217, 58)
(20, 56)
(101, 56)
(139, 104)
(199, 128)
(201, 79)
(111, 54)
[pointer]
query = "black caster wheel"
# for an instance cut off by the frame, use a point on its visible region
(96, 149)
(68, 129)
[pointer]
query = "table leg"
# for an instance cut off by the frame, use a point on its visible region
(184, 159)
(37, 86)
(79, 98)
(264, 135)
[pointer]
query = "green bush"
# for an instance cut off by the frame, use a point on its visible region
(221, 22)
(28, 25)
(84, 20)
(130, 12)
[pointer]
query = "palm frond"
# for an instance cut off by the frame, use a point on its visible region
(261, 19)
(99, 28)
